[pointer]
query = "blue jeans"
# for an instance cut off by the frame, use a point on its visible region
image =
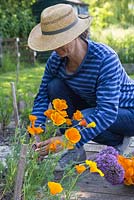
(123, 126)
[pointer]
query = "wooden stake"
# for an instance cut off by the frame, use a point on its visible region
(20, 173)
(16, 115)
(18, 60)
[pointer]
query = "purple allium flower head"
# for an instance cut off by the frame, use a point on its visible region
(109, 150)
(113, 171)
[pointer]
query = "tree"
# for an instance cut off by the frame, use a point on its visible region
(16, 19)
(107, 12)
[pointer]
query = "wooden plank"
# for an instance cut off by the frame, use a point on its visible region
(15, 107)
(93, 183)
(93, 147)
(97, 196)
(93, 187)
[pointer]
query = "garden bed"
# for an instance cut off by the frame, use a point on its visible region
(90, 186)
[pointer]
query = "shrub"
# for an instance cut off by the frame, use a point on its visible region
(5, 111)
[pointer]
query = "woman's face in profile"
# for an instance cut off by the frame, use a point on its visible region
(66, 50)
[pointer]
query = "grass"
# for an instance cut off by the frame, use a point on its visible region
(26, 90)
(29, 80)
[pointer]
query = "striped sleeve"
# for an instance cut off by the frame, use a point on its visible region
(41, 101)
(107, 94)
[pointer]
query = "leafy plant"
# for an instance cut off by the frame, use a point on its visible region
(5, 111)
(8, 63)
(39, 178)
(37, 174)
(16, 18)
(106, 13)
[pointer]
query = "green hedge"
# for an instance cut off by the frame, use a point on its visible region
(124, 48)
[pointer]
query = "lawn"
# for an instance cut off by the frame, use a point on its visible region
(29, 80)
(26, 89)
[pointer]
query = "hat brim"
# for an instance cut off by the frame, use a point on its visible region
(39, 42)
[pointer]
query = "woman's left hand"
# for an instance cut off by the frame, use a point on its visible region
(54, 144)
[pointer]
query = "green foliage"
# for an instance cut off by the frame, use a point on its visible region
(121, 40)
(123, 12)
(5, 110)
(16, 18)
(124, 49)
(132, 76)
(37, 174)
(29, 80)
(106, 12)
(8, 62)
(1, 170)
(26, 89)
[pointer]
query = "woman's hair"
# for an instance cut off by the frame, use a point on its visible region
(85, 35)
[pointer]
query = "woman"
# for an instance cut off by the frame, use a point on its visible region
(88, 75)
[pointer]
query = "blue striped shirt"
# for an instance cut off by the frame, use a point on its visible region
(100, 80)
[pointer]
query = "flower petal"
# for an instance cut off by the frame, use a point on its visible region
(77, 115)
(73, 135)
(80, 168)
(55, 188)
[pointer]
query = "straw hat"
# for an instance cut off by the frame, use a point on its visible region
(59, 25)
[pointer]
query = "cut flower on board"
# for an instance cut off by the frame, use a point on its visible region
(117, 169)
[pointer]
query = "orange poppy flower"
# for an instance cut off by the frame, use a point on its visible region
(129, 172)
(63, 113)
(35, 130)
(121, 160)
(80, 168)
(73, 135)
(68, 122)
(91, 125)
(127, 164)
(93, 167)
(53, 146)
(55, 188)
(49, 112)
(30, 130)
(69, 145)
(32, 118)
(59, 104)
(128, 181)
(83, 123)
(77, 115)
(132, 162)
(57, 119)
(132, 178)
